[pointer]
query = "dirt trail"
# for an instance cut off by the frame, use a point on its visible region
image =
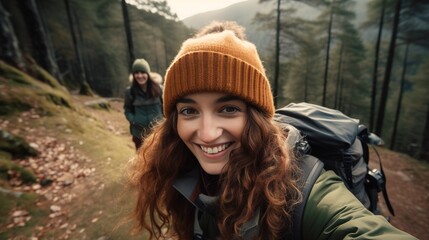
(408, 189)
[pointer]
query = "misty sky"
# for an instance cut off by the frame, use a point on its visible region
(187, 8)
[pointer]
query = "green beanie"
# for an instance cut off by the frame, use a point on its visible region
(141, 65)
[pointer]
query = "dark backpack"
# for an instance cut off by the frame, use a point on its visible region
(333, 141)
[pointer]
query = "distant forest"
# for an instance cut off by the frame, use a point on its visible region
(92, 42)
(376, 72)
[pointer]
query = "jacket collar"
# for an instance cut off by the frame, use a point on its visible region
(186, 185)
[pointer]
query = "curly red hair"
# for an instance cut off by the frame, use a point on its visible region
(261, 175)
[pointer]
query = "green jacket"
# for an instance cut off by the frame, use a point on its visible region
(332, 212)
(141, 110)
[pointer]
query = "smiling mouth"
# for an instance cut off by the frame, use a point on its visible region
(214, 150)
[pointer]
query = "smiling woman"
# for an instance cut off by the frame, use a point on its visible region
(219, 167)
(142, 103)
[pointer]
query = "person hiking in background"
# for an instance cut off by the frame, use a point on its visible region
(143, 101)
(218, 166)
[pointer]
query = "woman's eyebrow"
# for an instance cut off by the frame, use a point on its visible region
(223, 99)
(185, 100)
(227, 98)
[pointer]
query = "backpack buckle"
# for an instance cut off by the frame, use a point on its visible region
(302, 147)
(376, 178)
(198, 237)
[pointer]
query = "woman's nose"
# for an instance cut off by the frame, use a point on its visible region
(209, 129)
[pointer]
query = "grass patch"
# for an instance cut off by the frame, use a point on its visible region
(26, 201)
(105, 213)
(11, 107)
(20, 92)
(26, 175)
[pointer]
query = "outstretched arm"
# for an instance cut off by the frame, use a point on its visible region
(333, 212)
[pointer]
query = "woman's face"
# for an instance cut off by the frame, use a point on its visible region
(141, 77)
(211, 125)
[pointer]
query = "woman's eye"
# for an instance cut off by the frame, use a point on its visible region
(188, 111)
(230, 109)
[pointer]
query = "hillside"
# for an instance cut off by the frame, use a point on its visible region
(263, 38)
(235, 13)
(74, 187)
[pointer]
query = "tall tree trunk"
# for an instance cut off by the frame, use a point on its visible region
(337, 93)
(128, 33)
(81, 49)
(9, 47)
(43, 51)
(277, 63)
(77, 50)
(328, 46)
(306, 83)
(401, 92)
(424, 149)
(388, 70)
(375, 72)
(340, 96)
(164, 44)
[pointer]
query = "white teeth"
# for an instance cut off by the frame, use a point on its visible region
(214, 150)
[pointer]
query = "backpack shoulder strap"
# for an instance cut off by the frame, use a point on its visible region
(311, 169)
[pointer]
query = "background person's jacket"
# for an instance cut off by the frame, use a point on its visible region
(141, 110)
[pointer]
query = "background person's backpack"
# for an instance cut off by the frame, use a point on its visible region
(341, 143)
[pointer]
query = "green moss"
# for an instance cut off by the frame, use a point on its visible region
(57, 99)
(47, 78)
(8, 107)
(5, 155)
(26, 175)
(86, 90)
(25, 201)
(15, 145)
(22, 91)
(4, 167)
(14, 75)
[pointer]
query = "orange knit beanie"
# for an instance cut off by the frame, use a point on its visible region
(218, 62)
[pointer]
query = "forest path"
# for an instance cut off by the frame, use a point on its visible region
(408, 191)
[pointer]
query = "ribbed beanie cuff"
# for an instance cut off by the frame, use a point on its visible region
(218, 62)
